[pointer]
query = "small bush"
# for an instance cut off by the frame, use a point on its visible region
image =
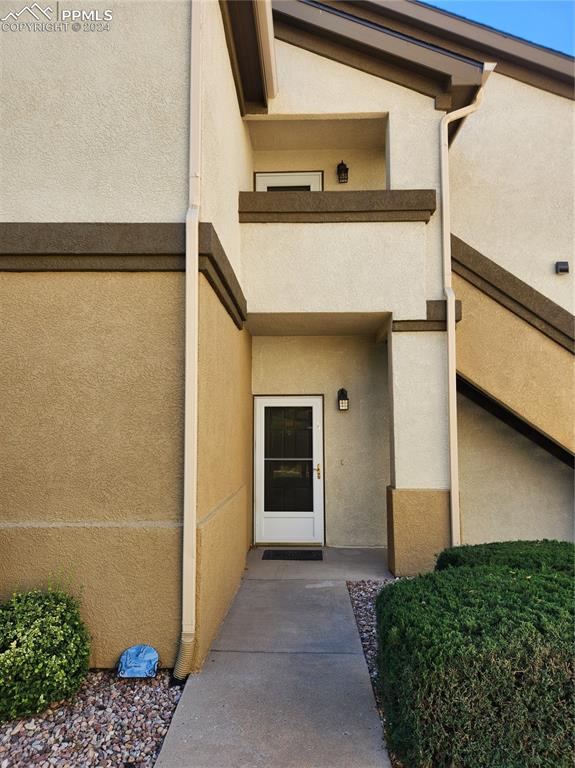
(44, 651)
(475, 668)
(536, 555)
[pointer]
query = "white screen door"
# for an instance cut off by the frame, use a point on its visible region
(288, 470)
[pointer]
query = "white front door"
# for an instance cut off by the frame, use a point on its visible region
(288, 488)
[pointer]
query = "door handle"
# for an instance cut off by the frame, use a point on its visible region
(318, 470)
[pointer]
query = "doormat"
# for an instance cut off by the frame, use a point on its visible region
(292, 554)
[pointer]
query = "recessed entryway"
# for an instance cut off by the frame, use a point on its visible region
(288, 469)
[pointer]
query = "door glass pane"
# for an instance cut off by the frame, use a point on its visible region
(288, 459)
(288, 486)
(288, 433)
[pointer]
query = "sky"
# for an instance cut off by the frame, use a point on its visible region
(546, 22)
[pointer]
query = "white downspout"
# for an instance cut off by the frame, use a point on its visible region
(185, 653)
(454, 512)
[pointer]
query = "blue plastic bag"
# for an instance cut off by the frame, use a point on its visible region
(138, 661)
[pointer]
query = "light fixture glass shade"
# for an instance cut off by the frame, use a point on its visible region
(342, 173)
(342, 400)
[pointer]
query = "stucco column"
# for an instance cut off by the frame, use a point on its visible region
(418, 497)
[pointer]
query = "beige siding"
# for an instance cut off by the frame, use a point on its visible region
(367, 166)
(340, 267)
(510, 487)
(95, 124)
(512, 184)
(356, 442)
(224, 464)
(226, 149)
(91, 397)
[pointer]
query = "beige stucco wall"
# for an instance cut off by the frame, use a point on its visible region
(413, 125)
(512, 167)
(338, 267)
(516, 364)
(366, 166)
(95, 124)
(418, 389)
(91, 396)
(226, 148)
(356, 442)
(313, 85)
(510, 487)
(224, 511)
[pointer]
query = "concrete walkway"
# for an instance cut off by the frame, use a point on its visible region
(286, 684)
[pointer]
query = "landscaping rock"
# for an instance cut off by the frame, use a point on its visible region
(110, 723)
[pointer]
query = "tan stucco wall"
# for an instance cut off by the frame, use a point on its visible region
(224, 511)
(226, 148)
(356, 442)
(512, 184)
(366, 166)
(510, 487)
(91, 396)
(338, 267)
(417, 529)
(96, 123)
(516, 364)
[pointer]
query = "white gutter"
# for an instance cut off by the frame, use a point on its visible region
(454, 512)
(185, 653)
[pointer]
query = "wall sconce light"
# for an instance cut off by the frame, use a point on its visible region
(342, 400)
(561, 267)
(342, 173)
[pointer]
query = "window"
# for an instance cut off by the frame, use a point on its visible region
(289, 181)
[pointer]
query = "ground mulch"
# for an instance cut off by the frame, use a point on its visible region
(110, 723)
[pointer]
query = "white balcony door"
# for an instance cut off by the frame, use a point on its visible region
(288, 464)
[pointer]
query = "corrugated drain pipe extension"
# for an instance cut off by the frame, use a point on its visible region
(454, 512)
(186, 650)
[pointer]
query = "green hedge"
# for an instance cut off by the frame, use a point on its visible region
(44, 651)
(475, 668)
(537, 555)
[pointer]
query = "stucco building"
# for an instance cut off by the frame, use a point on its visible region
(188, 283)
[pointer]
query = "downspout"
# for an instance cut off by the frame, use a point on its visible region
(188, 631)
(454, 511)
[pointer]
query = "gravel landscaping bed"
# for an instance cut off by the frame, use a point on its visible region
(363, 595)
(111, 723)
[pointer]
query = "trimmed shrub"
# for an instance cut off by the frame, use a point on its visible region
(475, 668)
(537, 555)
(44, 651)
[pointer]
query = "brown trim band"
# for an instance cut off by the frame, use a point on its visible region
(100, 263)
(119, 247)
(436, 318)
(216, 267)
(513, 294)
(91, 238)
(376, 205)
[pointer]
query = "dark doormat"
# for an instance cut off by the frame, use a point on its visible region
(292, 554)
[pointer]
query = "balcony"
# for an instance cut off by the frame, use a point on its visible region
(336, 252)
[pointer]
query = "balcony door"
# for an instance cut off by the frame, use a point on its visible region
(288, 464)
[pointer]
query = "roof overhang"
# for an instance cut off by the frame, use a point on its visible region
(336, 31)
(248, 27)
(423, 48)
